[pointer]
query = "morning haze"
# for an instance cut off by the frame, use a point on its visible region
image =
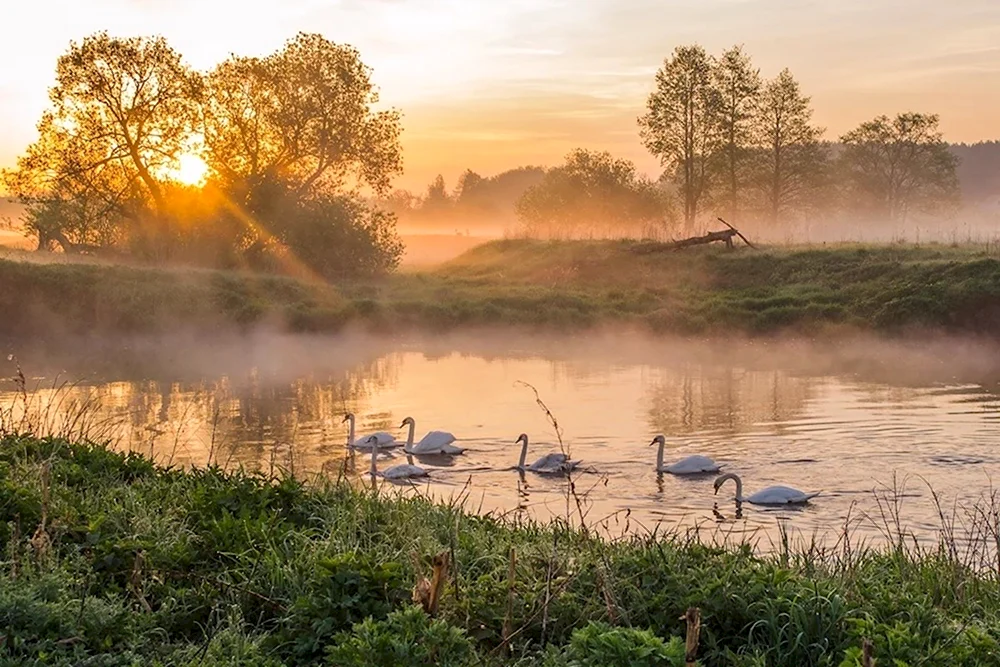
(550, 333)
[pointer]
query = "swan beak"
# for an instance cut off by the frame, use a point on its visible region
(651, 444)
(344, 419)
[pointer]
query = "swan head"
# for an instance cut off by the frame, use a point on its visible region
(372, 440)
(348, 417)
(407, 422)
(658, 440)
(521, 438)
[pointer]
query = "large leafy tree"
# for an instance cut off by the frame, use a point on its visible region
(593, 192)
(303, 118)
(792, 160)
(122, 113)
(681, 124)
(898, 166)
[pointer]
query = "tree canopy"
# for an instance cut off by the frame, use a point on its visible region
(898, 166)
(283, 136)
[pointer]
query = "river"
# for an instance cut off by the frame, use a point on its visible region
(872, 424)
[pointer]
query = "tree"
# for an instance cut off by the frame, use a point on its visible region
(123, 112)
(738, 84)
(592, 192)
(296, 133)
(301, 117)
(792, 159)
(437, 200)
(900, 165)
(681, 125)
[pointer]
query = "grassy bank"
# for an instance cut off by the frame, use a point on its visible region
(536, 283)
(110, 560)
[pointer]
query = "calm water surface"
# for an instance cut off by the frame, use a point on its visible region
(851, 419)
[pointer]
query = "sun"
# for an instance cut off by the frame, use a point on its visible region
(191, 170)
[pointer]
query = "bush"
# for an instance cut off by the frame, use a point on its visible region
(407, 638)
(598, 644)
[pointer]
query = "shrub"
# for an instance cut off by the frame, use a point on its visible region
(407, 638)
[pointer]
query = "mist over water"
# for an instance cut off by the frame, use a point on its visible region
(846, 417)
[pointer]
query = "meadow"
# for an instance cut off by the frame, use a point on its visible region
(112, 560)
(890, 288)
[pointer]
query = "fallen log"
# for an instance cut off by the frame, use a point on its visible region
(724, 236)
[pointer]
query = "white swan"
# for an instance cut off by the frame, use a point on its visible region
(691, 465)
(555, 462)
(401, 471)
(772, 495)
(435, 442)
(383, 440)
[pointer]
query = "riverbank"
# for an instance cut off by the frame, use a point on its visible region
(111, 560)
(550, 285)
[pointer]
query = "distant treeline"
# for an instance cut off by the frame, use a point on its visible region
(730, 142)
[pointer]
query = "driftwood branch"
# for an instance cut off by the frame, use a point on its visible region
(737, 232)
(724, 236)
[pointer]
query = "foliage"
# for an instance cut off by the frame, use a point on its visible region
(289, 140)
(407, 638)
(900, 166)
(681, 125)
(792, 161)
(592, 192)
(598, 644)
(123, 111)
(739, 86)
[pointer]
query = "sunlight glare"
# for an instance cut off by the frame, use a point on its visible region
(191, 169)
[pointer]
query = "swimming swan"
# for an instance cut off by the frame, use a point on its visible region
(401, 471)
(692, 465)
(384, 440)
(772, 495)
(556, 462)
(435, 442)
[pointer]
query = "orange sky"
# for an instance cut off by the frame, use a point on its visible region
(500, 83)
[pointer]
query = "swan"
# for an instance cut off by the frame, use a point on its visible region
(692, 465)
(772, 495)
(555, 462)
(435, 442)
(401, 471)
(383, 440)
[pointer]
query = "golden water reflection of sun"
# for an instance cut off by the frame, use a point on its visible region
(191, 170)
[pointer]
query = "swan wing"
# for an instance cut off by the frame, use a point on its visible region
(554, 462)
(779, 495)
(384, 440)
(403, 471)
(692, 465)
(433, 442)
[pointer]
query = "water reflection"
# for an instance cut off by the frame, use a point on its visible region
(835, 421)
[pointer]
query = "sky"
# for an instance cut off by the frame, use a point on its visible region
(494, 84)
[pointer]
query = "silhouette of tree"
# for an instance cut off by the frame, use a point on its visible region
(681, 125)
(898, 166)
(123, 112)
(792, 161)
(739, 86)
(592, 192)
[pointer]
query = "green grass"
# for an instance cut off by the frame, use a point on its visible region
(555, 285)
(110, 560)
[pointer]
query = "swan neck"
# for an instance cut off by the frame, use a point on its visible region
(350, 431)
(409, 436)
(409, 458)
(524, 453)
(659, 456)
(374, 468)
